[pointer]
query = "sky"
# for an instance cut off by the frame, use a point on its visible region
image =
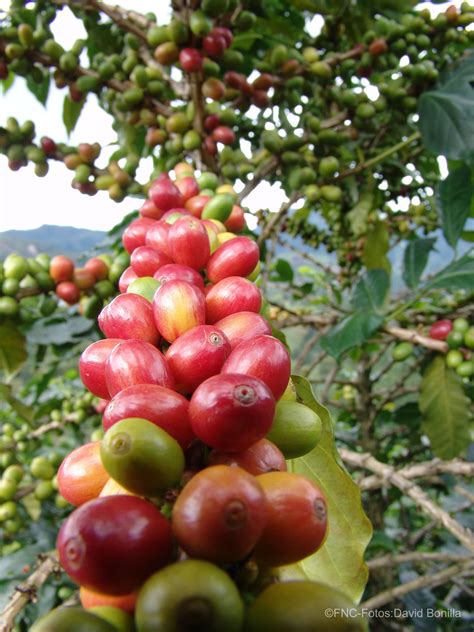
(27, 201)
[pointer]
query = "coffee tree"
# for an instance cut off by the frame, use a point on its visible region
(200, 487)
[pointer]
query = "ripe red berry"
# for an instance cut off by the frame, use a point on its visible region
(165, 194)
(82, 476)
(231, 295)
(129, 316)
(230, 412)
(197, 355)
(190, 59)
(97, 267)
(136, 362)
(224, 135)
(220, 514)
(263, 357)
(441, 329)
(157, 236)
(297, 519)
(236, 257)
(177, 307)
(135, 233)
(243, 326)
(214, 45)
(92, 366)
(188, 243)
(68, 292)
(61, 268)
(188, 187)
(162, 406)
(127, 276)
(146, 260)
(48, 145)
(211, 122)
(259, 458)
(235, 223)
(112, 544)
(148, 209)
(178, 272)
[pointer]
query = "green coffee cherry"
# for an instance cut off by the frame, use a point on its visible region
(296, 429)
(402, 351)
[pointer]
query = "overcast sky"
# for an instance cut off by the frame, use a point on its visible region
(27, 201)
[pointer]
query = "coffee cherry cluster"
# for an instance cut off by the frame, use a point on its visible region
(30, 454)
(31, 287)
(186, 500)
(459, 335)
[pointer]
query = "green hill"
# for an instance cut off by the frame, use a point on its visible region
(54, 240)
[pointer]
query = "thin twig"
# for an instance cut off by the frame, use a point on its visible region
(422, 470)
(388, 473)
(426, 581)
(416, 557)
(27, 591)
(410, 335)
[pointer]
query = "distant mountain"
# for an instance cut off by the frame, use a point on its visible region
(53, 240)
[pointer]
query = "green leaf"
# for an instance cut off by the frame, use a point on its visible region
(371, 291)
(19, 407)
(245, 41)
(415, 259)
(445, 409)
(58, 330)
(7, 83)
(376, 248)
(13, 352)
(41, 89)
(358, 215)
(459, 275)
(71, 113)
(468, 235)
(340, 561)
(284, 269)
(454, 202)
(350, 332)
(447, 114)
(32, 506)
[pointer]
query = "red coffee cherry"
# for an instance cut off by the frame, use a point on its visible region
(177, 307)
(297, 519)
(220, 514)
(197, 355)
(264, 357)
(259, 458)
(243, 326)
(136, 362)
(236, 257)
(129, 316)
(232, 295)
(162, 406)
(92, 366)
(112, 544)
(230, 412)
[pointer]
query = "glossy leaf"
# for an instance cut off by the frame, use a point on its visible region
(457, 275)
(454, 202)
(376, 248)
(445, 409)
(13, 352)
(41, 89)
(371, 291)
(18, 406)
(284, 270)
(415, 259)
(71, 112)
(350, 332)
(447, 114)
(340, 561)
